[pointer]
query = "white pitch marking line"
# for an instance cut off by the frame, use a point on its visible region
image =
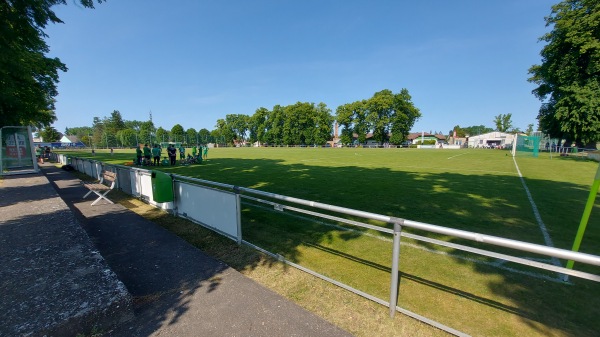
(536, 213)
(457, 155)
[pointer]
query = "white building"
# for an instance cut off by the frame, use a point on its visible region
(491, 140)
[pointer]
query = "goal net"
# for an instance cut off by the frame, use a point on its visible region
(526, 146)
(17, 155)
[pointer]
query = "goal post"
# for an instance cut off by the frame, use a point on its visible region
(17, 155)
(526, 146)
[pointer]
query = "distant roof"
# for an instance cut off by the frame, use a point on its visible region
(415, 135)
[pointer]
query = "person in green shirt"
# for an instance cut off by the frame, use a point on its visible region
(38, 154)
(138, 154)
(156, 155)
(205, 156)
(147, 155)
(181, 152)
(194, 151)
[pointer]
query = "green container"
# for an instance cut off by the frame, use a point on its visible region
(162, 187)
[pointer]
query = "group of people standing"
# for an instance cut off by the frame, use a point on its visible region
(41, 153)
(151, 157)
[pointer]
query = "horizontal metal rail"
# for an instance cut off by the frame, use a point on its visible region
(360, 293)
(456, 246)
(477, 237)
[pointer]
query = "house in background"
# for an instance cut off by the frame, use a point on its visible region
(492, 140)
(71, 141)
(421, 137)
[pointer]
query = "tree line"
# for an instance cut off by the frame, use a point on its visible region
(387, 115)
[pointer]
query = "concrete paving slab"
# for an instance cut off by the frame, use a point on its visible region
(53, 281)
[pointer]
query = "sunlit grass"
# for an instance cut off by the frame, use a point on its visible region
(474, 190)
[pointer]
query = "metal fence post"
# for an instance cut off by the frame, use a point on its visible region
(395, 262)
(236, 190)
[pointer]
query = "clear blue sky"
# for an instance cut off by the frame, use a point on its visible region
(192, 62)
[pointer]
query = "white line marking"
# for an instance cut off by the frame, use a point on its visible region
(457, 155)
(538, 217)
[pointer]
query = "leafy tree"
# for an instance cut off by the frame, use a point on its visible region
(128, 137)
(258, 125)
(146, 133)
(28, 78)
(460, 132)
(114, 123)
(134, 125)
(529, 130)
(503, 122)
(323, 124)
(191, 135)
(237, 125)
(223, 133)
(205, 137)
(177, 133)
(98, 135)
(162, 135)
(49, 134)
(274, 129)
(569, 77)
(79, 132)
(404, 117)
(344, 115)
(383, 114)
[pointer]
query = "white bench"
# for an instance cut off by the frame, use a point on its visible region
(106, 183)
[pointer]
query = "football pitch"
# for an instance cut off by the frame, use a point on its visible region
(473, 190)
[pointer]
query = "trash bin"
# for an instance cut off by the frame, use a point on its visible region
(162, 187)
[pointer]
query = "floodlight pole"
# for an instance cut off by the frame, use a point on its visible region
(585, 217)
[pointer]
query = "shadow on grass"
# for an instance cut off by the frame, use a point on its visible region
(492, 204)
(487, 203)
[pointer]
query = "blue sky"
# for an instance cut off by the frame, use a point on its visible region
(192, 62)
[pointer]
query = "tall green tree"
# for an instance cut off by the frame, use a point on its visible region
(147, 133)
(237, 125)
(387, 115)
(49, 134)
(127, 137)
(115, 122)
(162, 135)
(191, 136)
(568, 78)
(204, 136)
(403, 118)
(134, 125)
(177, 133)
(79, 132)
(28, 77)
(503, 122)
(275, 123)
(258, 125)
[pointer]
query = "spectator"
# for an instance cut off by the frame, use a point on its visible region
(138, 154)
(147, 155)
(156, 155)
(181, 152)
(205, 154)
(39, 154)
(172, 154)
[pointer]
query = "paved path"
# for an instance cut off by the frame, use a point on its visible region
(53, 281)
(177, 289)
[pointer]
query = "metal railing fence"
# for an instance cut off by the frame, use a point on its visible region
(136, 182)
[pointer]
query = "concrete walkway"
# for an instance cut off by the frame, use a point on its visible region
(177, 290)
(53, 281)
